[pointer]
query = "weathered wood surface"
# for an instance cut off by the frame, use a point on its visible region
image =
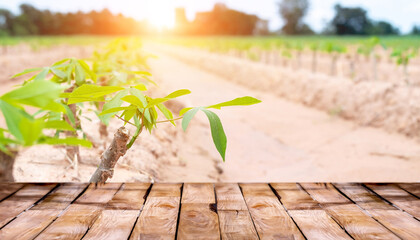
(210, 211)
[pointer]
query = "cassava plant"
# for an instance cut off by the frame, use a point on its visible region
(25, 129)
(314, 48)
(367, 49)
(334, 50)
(120, 64)
(132, 106)
(402, 58)
(72, 73)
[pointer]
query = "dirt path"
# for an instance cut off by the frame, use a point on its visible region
(279, 140)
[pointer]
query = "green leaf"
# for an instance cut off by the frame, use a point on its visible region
(26, 71)
(88, 92)
(166, 112)
(178, 93)
(141, 87)
(129, 114)
(157, 101)
(243, 101)
(42, 75)
(41, 94)
(217, 132)
(133, 100)
(31, 130)
(13, 117)
(173, 95)
(79, 75)
(139, 95)
(66, 141)
(184, 110)
(188, 116)
(116, 109)
(113, 103)
(59, 125)
(87, 70)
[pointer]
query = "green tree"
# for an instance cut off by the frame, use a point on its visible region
(293, 12)
(350, 21)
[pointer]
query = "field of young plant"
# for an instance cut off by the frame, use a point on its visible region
(359, 58)
(321, 96)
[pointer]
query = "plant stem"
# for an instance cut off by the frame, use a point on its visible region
(125, 120)
(170, 120)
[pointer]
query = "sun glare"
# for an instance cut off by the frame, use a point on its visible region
(160, 16)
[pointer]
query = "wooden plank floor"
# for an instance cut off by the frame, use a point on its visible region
(210, 211)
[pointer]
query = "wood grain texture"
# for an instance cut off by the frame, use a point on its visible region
(130, 197)
(61, 197)
(235, 221)
(6, 189)
(113, 225)
(413, 188)
(294, 198)
(313, 221)
(198, 193)
(356, 222)
(81, 215)
(401, 223)
(270, 218)
(317, 224)
(398, 197)
(159, 216)
(198, 218)
(30, 223)
(229, 197)
(120, 214)
(22, 200)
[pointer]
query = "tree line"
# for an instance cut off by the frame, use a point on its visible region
(346, 21)
(221, 20)
(32, 21)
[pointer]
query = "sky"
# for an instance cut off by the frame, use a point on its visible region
(161, 12)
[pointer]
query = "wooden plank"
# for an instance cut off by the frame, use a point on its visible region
(413, 188)
(130, 197)
(313, 221)
(120, 214)
(294, 198)
(61, 197)
(113, 224)
(398, 197)
(30, 223)
(198, 193)
(317, 224)
(401, 223)
(22, 200)
(6, 189)
(356, 222)
(270, 218)
(81, 215)
(234, 218)
(159, 216)
(198, 218)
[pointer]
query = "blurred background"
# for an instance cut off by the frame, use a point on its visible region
(339, 81)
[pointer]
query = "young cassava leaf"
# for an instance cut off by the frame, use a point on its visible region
(66, 141)
(217, 132)
(41, 94)
(88, 92)
(188, 116)
(242, 101)
(166, 112)
(133, 100)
